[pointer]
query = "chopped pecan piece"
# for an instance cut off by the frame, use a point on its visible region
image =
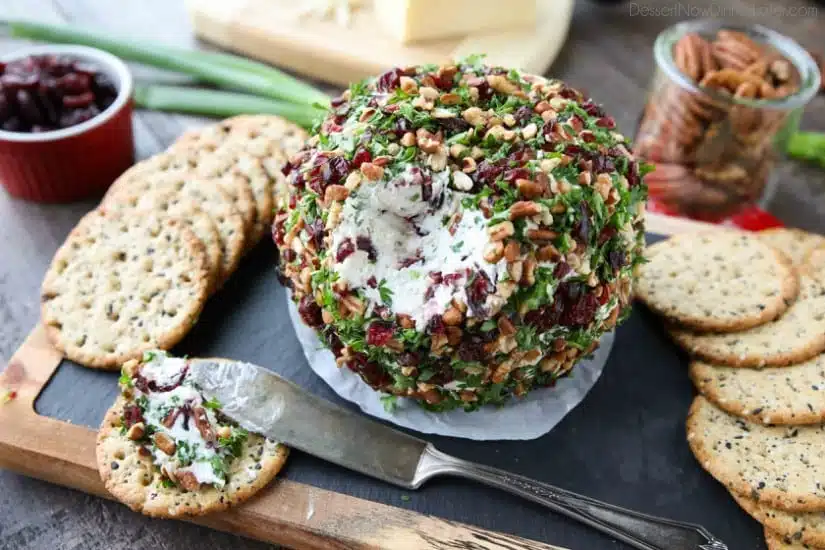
(203, 425)
(164, 443)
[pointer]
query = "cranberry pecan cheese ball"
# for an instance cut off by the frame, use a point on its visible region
(461, 234)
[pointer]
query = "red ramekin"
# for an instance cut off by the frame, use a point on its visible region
(76, 162)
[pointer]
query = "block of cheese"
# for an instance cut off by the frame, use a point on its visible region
(418, 20)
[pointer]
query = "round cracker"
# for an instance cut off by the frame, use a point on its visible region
(270, 139)
(776, 395)
(806, 530)
(212, 199)
(814, 262)
(777, 542)
(795, 243)
(120, 285)
(716, 280)
(779, 466)
(133, 480)
(199, 165)
(168, 202)
(797, 336)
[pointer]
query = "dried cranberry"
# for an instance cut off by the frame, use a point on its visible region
(436, 325)
(19, 82)
(523, 114)
(26, 105)
(333, 341)
(606, 122)
(287, 168)
(478, 288)
(580, 308)
(409, 359)
(402, 126)
(345, 250)
(486, 173)
(73, 83)
(289, 255)
(607, 234)
(592, 109)
(634, 178)
(516, 174)
(616, 259)
(80, 100)
(602, 163)
(310, 311)
(372, 373)
(315, 230)
(365, 243)
(407, 262)
(360, 157)
(451, 278)
(337, 102)
(378, 333)
(389, 81)
(12, 124)
(605, 295)
(147, 386)
(568, 93)
(77, 116)
(453, 125)
(445, 81)
(583, 226)
(335, 170)
(471, 348)
(561, 270)
(132, 415)
(485, 92)
(573, 150)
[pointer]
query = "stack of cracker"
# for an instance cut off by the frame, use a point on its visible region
(135, 273)
(750, 309)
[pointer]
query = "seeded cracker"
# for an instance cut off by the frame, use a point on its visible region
(717, 280)
(807, 530)
(782, 395)
(795, 243)
(781, 467)
(797, 336)
(776, 542)
(169, 460)
(212, 199)
(202, 166)
(122, 284)
(815, 263)
(169, 203)
(270, 140)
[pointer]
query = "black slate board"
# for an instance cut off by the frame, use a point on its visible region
(624, 444)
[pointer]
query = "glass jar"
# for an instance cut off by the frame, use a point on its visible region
(722, 104)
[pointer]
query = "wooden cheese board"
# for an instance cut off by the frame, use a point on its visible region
(324, 50)
(47, 432)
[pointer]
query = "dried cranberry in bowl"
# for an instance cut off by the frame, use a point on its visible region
(40, 93)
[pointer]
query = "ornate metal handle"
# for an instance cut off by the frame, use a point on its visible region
(636, 529)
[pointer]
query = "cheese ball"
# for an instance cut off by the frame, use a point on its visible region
(461, 234)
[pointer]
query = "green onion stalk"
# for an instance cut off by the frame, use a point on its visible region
(217, 103)
(809, 146)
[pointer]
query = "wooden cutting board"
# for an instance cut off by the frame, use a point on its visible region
(322, 49)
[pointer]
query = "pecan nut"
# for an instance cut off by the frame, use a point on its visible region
(523, 209)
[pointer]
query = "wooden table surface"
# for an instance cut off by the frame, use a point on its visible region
(608, 54)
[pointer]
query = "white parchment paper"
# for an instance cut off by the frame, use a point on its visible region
(526, 418)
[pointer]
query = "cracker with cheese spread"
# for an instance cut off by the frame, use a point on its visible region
(165, 450)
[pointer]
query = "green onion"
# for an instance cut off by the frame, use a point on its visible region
(221, 69)
(808, 146)
(197, 101)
